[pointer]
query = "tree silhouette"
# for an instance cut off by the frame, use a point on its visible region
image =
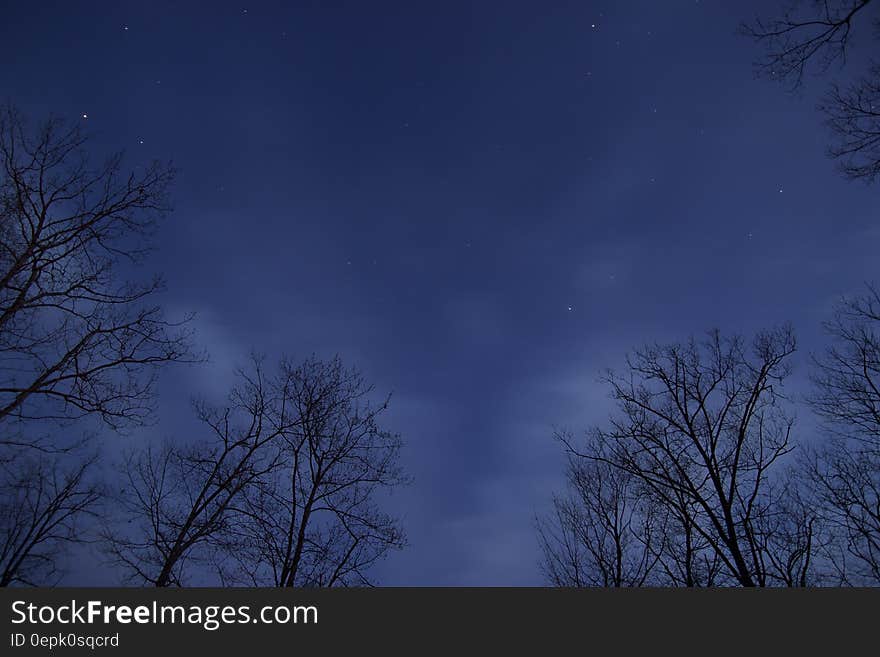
(280, 492)
(177, 499)
(699, 438)
(606, 532)
(817, 35)
(77, 339)
(315, 520)
(845, 470)
(42, 500)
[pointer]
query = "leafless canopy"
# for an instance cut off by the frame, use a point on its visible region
(42, 501)
(699, 440)
(605, 532)
(808, 32)
(846, 469)
(853, 114)
(316, 520)
(76, 338)
(819, 33)
(177, 498)
(280, 492)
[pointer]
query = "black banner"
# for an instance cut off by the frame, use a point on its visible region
(413, 620)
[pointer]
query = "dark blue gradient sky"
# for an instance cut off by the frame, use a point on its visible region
(482, 205)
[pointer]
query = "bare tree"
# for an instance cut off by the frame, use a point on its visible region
(76, 339)
(819, 34)
(177, 499)
(702, 427)
(846, 469)
(43, 498)
(605, 532)
(316, 520)
(613, 530)
(684, 557)
(281, 491)
(853, 114)
(790, 534)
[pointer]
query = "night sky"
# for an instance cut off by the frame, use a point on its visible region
(481, 205)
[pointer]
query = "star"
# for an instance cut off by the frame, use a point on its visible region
(570, 309)
(85, 116)
(125, 27)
